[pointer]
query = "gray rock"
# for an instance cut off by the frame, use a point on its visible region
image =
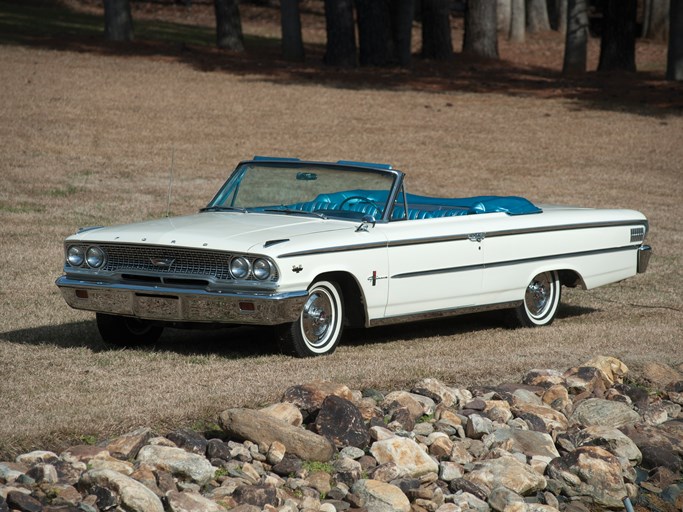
(502, 499)
(467, 501)
(43, 473)
(590, 473)
(134, 495)
(351, 452)
(508, 472)
(217, 449)
(178, 462)
(260, 428)
(478, 426)
(528, 442)
(450, 471)
(257, 495)
(611, 439)
(191, 502)
(596, 411)
(23, 502)
(379, 496)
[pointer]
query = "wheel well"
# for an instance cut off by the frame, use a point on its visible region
(354, 302)
(571, 279)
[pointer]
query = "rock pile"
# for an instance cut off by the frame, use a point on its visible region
(573, 441)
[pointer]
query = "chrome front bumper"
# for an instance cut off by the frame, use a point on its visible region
(644, 253)
(182, 304)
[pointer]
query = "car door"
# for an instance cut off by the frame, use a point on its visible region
(434, 264)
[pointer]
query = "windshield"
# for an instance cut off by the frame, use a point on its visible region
(323, 191)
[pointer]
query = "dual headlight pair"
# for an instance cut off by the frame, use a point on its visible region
(240, 267)
(93, 256)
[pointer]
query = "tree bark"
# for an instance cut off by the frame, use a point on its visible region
(436, 30)
(656, 20)
(576, 37)
(537, 16)
(481, 34)
(557, 14)
(290, 20)
(374, 32)
(504, 14)
(674, 61)
(402, 14)
(618, 43)
(118, 22)
(341, 36)
(517, 21)
(228, 25)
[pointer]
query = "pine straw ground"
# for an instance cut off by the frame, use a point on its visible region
(87, 135)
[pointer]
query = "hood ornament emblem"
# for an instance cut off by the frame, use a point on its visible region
(162, 262)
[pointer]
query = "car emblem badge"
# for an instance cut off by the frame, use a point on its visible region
(162, 262)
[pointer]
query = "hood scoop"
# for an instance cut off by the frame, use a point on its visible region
(270, 243)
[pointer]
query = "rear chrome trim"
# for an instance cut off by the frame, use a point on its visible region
(181, 304)
(644, 253)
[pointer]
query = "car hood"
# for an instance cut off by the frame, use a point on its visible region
(234, 231)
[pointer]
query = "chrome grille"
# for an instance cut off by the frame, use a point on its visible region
(180, 261)
(637, 234)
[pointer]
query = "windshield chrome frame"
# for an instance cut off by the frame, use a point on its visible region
(396, 183)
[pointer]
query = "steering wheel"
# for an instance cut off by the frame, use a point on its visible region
(359, 199)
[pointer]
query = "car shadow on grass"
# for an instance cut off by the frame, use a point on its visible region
(243, 342)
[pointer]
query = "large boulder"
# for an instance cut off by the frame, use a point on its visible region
(596, 411)
(261, 428)
(528, 442)
(341, 422)
(178, 462)
(592, 474)
(506, 471)
(134, 496)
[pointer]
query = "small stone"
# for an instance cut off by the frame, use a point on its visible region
(437, 391)
(320, 481)
(257, 495)
(351, 452)
(478, 426)
(43, 473)
(386, 472)
(501, 498)
(527, 442)
(290, 464)
(23, 502)
(189, 440)
(381, 497)
(191, 502)
(285, 411)
(309, 397)
(440, 446)
(450, 471)
(217, 449)
(403, 399)
(467, 487)
(276, 452)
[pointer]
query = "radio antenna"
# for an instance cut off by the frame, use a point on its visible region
(170, 182)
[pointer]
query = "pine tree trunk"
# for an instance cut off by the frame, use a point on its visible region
(674, 61)
(402, 14)
(577, 37)
(481, 34)
(436, 30)
(537, 16)
(656, 20)
(228, 25)
(118, 22)
(504, 14)
(340, 50)
(517, 21)
(374, 32)
(290, 20)
(618, 43)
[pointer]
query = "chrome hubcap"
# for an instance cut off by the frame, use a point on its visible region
(317, 318)
(537, 295)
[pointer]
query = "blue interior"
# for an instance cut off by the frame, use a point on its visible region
(362, 202)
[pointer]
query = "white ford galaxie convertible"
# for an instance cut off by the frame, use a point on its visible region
(310, 247)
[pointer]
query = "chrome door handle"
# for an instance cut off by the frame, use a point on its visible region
(476, 237)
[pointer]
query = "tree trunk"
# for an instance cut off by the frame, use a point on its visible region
(228, 25)
(557, 15)
(577, 37)
(618, 43)
(436, 29)
(481, 36)
(374, 32)
(517, 21)
(537, 16)
(504, 14)
(118, 23)
(341, 35)
(402, 14)
(290, 20)
(674, 61)
(656, 20)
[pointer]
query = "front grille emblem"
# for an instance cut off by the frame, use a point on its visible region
(162, 262)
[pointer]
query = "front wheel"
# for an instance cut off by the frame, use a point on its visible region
(319, 327)
(121, 330)
(541, 298)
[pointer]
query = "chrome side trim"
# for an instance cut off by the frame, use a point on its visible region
(644, 253)
(339, 248)
(506, 263)
(441, 313)
(182, 304)
(567, 227)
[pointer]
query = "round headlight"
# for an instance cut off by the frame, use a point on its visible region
(94, 257)
(239, 267)
(261, 269)
(75, 255)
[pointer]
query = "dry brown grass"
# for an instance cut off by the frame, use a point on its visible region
(87, 139)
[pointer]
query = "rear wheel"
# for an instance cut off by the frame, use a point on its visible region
(319, 327)
(121, 330)
(541, 298)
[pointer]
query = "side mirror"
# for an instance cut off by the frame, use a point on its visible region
(366, 220)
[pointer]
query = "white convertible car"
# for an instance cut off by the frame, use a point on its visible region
(310, 247)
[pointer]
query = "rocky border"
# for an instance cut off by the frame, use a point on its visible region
(576, 440)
